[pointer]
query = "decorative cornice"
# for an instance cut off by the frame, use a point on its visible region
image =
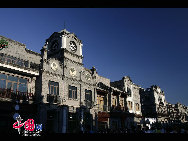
(74, 55)
(52, 73)
(81, 64)
(32, 52)
(79, 81)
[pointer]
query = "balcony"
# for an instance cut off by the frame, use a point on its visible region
(16, 95)
(53, 99)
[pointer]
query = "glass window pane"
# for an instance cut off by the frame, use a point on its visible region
(76, 94)
(3, 76)
(14, 87)
(21, 80)
(2, 83)
(70, 93)
(56, 83)
(73, 94)
(75, 88)
(58, 90)
(9, 85)
(51, 83)
(11, 78)
(22, 88)
(51, 87)
(55, 88)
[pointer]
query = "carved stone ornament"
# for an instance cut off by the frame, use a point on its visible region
(72, 71)
(54, 66)
(88, 77)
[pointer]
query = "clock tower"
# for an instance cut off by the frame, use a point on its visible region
(64, 45)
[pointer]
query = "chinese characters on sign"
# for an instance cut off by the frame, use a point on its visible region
(29, 127)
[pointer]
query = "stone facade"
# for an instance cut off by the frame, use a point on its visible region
(153, 102)
(69, 97)
(133, 96)
(177, 112)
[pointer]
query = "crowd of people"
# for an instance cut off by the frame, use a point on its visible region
(176, 128)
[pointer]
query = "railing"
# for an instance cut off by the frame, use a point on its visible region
(16, 95)
(119, 108)
(53, 99)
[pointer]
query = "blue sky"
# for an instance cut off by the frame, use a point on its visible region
(148, 44)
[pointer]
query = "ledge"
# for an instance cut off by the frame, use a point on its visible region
(19, 69)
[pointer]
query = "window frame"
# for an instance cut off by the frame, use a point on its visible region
(137, 106)
(15, 80)
(73, 91)
(88, 95)
(53, 87)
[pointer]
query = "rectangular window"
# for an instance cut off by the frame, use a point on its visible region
(130, 105)
(22, 87)
(137, 106)
(88, 95)
(12, 78)
(3, 76)
(14, 87)
(122, 103)
(53, 88)
(88, 98)
(114, 101)
(13, 83)
(72, 92)
(9, 85)
(23, 80)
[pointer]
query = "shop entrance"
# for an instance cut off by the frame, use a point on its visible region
(52, 121)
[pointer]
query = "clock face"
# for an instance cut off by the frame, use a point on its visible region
(54, 66)
(54, 45)
(72, 71)
(73, 46)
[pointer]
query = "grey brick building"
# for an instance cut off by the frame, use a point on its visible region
(65, 93)
(56, 90)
